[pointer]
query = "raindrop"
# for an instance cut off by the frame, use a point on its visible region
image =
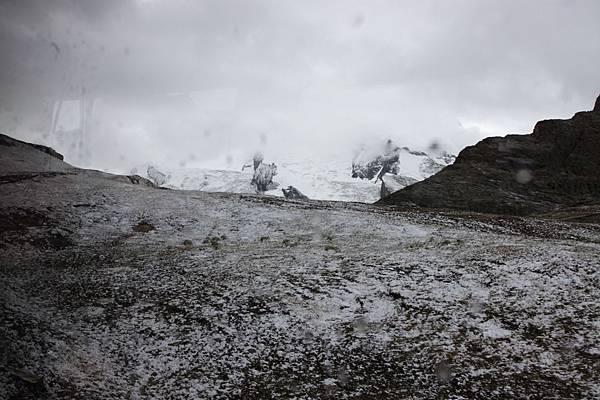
(317, 227)
(476, 306)
(443, 372)
(342, 377)
(358, 21)
(307, 336)
(56, 49)
(434, 146)
(360, 324)
(524, 176)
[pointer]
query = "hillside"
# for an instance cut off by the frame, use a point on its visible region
(555, 167)
(111, 288)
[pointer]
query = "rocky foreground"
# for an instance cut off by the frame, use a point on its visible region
(111, 288)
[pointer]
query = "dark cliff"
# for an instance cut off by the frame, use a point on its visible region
(556, 166)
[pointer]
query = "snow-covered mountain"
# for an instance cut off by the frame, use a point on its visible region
(329, 179)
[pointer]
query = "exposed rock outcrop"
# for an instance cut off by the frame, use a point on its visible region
(21, 158)
(21, 161)
(263, 177)
(558, 165)
(369, 166)
(11, 142)
(293, 194)
(397, 167)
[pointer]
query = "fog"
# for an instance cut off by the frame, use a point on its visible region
(112, 84)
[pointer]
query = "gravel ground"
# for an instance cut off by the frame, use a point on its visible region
(115, 290)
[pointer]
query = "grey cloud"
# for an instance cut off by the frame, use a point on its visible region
(308, 74)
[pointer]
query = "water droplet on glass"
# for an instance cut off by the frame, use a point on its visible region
(524, 176)
(358, 21)
(443, 372)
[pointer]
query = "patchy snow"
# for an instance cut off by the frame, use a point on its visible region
(240, 296)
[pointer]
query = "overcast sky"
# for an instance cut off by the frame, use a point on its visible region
(200, 82)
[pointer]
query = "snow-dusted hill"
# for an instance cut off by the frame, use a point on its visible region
(115, 290)
(329, 179)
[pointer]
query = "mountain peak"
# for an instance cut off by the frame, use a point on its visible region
(597, 105)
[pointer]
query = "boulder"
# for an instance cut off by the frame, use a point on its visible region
(18, 157)
(293, 194)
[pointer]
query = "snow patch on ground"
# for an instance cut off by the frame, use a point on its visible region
(248, 296)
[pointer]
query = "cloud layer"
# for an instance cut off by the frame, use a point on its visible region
(188, 81)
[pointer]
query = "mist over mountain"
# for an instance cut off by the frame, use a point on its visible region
(333, 178)
(114, 84)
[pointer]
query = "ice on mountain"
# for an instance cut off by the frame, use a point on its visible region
(156, 176)
(328, 179)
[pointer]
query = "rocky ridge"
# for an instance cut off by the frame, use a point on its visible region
(554, 167)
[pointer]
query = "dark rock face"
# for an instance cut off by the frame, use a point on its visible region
(556, 166)
(263, 177)
(372, 166)
(10, 142)
(370, 169)
(293, 194)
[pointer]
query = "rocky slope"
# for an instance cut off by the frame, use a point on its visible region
(116, 290)
(25, 158)
(556, 166)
